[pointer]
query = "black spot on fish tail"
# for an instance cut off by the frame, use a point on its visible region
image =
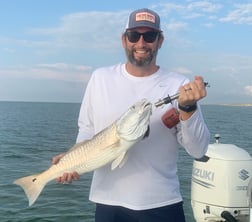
(34, 179)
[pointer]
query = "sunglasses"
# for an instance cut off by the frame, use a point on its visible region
(148, 37)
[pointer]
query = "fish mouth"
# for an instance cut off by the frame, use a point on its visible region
(147, 108)
(146, 104)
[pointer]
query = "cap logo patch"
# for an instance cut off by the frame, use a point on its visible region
(145, 16)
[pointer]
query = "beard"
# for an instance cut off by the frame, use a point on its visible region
(142, 62)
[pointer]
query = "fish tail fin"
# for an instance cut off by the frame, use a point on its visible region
(32, 186)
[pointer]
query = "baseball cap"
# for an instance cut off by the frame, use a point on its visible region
(143, 18)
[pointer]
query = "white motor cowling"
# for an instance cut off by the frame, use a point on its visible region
(220, 180)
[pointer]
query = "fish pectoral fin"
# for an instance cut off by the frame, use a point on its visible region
(119, 161)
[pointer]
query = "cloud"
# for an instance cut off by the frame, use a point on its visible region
(242, 14)
(63, 67)
(92, 29)
(248, 90)
(189, 10)
(204, 6)
(166, 9)
(175, 26)
(175, 32)
(56, 71)
(209, 25)
(182, 70)
(209, 10)
(9, 50)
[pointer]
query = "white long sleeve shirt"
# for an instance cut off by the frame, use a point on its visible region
(149, 178)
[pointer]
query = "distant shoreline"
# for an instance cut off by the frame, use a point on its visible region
(74, 102)
(243, 104)
(228, 104)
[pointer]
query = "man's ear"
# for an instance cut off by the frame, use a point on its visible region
(160, 40)
(123, 38)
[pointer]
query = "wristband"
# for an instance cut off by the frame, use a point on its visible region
(188, 108)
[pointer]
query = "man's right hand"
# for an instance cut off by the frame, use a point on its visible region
(66, 177)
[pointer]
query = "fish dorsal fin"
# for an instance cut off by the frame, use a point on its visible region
(119, 161)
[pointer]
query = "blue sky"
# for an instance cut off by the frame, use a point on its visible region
(49, 48)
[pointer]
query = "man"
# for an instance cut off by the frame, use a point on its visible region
(146, 188)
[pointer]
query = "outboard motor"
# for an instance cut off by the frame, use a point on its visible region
(220, 180)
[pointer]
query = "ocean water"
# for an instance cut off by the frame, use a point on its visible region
(32, 133)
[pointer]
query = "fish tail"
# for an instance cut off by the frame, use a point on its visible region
(32, 186)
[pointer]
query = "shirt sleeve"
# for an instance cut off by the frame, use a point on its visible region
(85, 120)
(194, 135)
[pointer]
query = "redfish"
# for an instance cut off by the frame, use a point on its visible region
(109, 145)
